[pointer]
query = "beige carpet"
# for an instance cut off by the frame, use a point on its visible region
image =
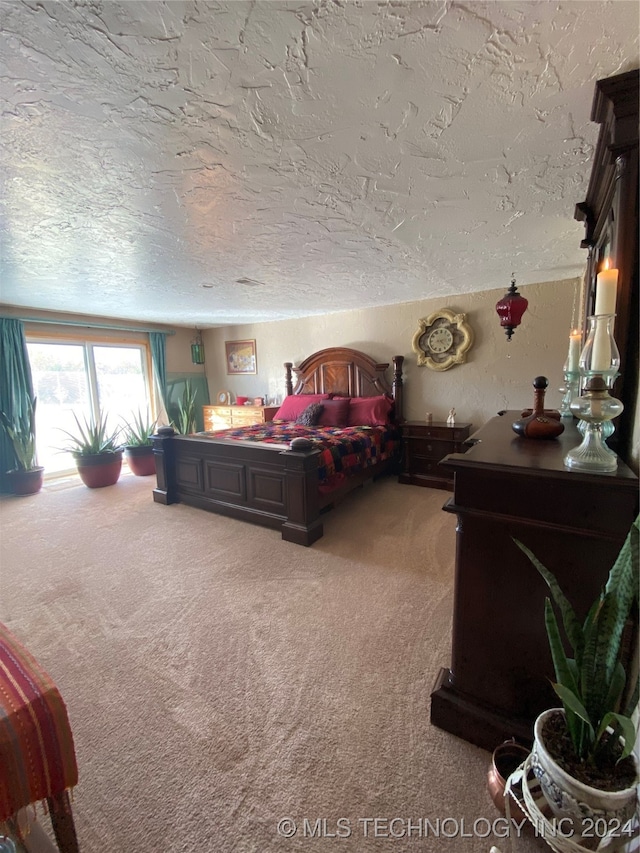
(219, 679)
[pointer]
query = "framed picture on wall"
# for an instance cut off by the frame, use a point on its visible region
(241, 357)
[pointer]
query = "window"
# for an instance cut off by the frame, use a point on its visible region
(84, 377)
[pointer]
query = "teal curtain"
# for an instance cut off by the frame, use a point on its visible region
(158, 343)
(16, 386)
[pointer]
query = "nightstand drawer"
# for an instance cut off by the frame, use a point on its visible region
(424, 446)
(431, 449)
(424, 465)
(437, 432)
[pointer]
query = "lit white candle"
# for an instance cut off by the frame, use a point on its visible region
(575, 339)
(606, 289)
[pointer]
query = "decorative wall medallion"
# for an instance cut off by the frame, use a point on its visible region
(442, 340)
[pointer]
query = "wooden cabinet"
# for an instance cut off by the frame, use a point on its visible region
(226, 417)
(574, 522)
(424, 445)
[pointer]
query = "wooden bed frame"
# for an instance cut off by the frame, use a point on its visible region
(265, 484)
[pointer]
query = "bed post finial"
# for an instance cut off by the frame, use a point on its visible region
(288, 384)
(397, 386)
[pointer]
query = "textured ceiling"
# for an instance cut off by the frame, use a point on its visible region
(335, 154)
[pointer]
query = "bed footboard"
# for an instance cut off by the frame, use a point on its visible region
(264, 485)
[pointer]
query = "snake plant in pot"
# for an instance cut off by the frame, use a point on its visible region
(26, 477)
(582, 752)
(96, 450)
(185, 410)
(138, 447)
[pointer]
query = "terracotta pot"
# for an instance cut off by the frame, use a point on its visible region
(569, 797)
(140, 459)
(505, 759)
(100, 469)
(26, 482)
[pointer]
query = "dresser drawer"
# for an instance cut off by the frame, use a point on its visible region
(246, 416)
(216, 423)
(431, 449)
(213, 421)
(222, 412)
(226, 417)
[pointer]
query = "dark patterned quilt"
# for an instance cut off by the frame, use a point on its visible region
(343, 450)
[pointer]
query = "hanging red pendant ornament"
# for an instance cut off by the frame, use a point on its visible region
(511, 308)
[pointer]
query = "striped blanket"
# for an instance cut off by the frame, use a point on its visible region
(37, 756)
(342, 449)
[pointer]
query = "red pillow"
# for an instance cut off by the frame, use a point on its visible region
(369, 411)
(334, 413)
(295, 404)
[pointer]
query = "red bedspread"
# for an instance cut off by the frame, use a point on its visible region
(343, 450)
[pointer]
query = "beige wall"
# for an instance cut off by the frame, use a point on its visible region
(179, 353)
(497, 375)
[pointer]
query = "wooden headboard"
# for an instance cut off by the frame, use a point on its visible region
(346, 373)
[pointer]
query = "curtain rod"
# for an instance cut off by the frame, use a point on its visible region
(90, 325)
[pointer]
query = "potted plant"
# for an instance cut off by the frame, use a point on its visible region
(582, 752)
(138, 447)
(185, 421)
(26, 478)
(96, 450)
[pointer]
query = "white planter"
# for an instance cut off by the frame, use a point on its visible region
(570, 798)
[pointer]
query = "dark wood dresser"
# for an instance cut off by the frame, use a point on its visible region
(424, 445)
(575, 523)
(610, 216)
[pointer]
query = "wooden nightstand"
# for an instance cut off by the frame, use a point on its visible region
(227, 417)
(424, 446)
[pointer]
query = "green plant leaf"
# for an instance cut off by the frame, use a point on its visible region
(633, 700)
(616, 688)
(575, 671)
(625, 569)
(564, 669)
(592, 692)
(593, 686)
(186, 421)
(620, 590)
(626, 729)
(587, 628)
(20, 428)
(570, 620)
(137, 431)
(91, 437)
(572, 702)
